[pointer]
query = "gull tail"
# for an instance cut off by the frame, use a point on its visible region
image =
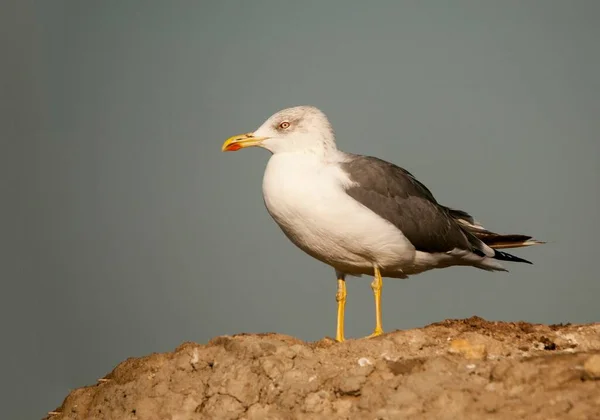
(497, 241)
(494, 240)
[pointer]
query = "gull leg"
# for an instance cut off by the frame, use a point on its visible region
(377, 285)
(340, 297)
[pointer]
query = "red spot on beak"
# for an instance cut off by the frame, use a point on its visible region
(233, 147)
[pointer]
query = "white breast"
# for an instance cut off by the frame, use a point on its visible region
(306, 198)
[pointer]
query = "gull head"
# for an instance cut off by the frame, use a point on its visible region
(301, 129)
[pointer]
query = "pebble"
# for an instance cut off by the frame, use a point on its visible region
(591, 367)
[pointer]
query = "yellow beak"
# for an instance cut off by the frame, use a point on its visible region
(241, 141)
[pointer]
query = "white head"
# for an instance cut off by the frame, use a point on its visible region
(301, 129)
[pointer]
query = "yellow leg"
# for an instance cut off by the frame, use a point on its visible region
(377, 285)
(340, 297)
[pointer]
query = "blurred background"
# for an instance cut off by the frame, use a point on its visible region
(126, 231)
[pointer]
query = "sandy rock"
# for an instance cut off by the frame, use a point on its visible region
(468, 350)
(469, 369)
(591, 367)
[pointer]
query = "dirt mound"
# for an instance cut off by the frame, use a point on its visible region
(455, 369)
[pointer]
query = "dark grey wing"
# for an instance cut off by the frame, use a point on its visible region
(397, 196)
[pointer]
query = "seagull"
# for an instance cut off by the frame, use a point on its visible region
(360, 214)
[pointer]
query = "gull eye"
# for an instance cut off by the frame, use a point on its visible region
(284, 125)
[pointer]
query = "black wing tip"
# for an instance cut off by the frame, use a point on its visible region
(505, 256)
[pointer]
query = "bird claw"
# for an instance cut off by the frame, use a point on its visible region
(376, 333)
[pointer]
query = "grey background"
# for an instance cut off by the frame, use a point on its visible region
(126, 231)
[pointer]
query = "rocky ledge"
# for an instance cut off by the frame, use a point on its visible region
(455, 369)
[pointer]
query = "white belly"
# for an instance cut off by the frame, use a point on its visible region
(306, 199)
